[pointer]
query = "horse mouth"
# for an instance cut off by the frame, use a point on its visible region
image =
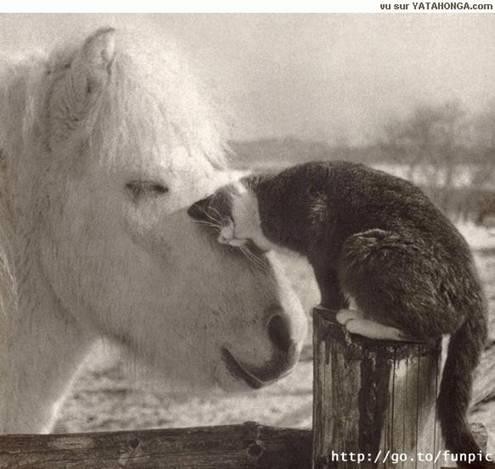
(239, 371)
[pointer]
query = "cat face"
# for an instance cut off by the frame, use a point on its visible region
(245, 223)
(235, 211)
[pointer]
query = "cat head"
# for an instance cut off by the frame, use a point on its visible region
(233, 210)
(272, 211)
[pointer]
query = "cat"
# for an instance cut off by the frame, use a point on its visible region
(378, 240)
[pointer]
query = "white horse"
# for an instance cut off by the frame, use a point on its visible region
(104, 146)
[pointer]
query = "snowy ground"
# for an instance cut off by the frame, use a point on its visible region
(478, 237)
(106, 397)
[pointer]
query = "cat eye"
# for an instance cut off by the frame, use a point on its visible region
(138, 189)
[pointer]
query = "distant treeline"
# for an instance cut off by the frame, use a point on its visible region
(435, 145)
(291, 150)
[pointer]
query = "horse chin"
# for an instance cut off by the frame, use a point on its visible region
(242, 373)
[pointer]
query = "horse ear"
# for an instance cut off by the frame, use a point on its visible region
(87, 76)
(96, 58)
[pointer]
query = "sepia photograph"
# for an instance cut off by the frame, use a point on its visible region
(248, 240)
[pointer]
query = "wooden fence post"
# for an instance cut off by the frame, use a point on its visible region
(374, 401)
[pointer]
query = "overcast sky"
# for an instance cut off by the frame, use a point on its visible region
(313, 76)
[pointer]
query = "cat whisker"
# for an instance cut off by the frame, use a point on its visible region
(253, 258)
(213, 219)
(215, 211)
(208, 223)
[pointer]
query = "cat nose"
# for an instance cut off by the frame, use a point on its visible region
(222, 239)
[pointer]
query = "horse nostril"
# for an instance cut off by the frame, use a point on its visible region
(279, 333)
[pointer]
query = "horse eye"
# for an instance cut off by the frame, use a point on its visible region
(142, 188)
(158, 189)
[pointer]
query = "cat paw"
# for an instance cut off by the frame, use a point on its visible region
(346, 315)
(355, 323)
(375, 330)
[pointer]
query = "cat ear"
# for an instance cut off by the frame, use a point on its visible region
(199, 210)
(74, 97)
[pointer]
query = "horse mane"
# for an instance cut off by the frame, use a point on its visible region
(153, 98)
(152, 87)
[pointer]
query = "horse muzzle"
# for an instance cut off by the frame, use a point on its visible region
(284, 358)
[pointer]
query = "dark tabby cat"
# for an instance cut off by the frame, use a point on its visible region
(378, 240)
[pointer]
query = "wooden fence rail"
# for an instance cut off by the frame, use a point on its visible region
(223, 447)
(369, 396)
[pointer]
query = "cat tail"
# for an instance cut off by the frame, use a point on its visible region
(464, 351)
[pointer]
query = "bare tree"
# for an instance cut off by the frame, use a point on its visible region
(482, 141)
(431, 142)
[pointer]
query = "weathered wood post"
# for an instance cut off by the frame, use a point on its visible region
(374, 401)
